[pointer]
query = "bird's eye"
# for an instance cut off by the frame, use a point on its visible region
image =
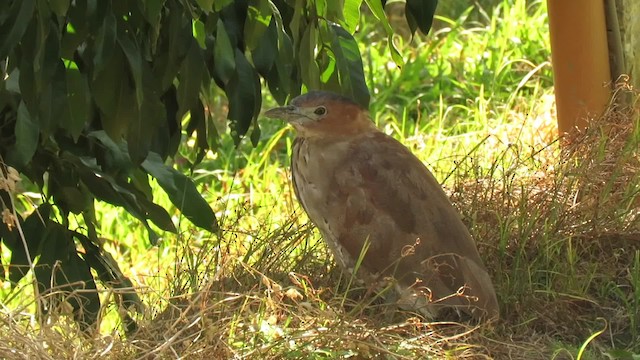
(321, 110)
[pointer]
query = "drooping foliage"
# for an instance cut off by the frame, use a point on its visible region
(97, 95)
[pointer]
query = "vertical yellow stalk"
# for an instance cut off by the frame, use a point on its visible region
(580, 58)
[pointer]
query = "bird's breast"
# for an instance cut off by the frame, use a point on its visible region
(313, 168)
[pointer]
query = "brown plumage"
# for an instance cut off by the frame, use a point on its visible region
(360, 186)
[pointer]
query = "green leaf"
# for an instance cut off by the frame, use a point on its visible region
(33, 230)
(419, 13)
(116, 158)
(351, 15)
(174, 125)
(213, 137)
(86, 302)
(153, 116)
(182, 193)
(298, 21)
(30, 95)
(170, 59)
(273, 82)
(47, 57)
(63, 189)
(105, 42)
(115, 97)
(255, 134)
(57, 246)
(11, 33)
(144, 209)
(69, 43)
(109, 272)
(27, 136)
(219, 4)
(132, 52)
(12, 83)
(53, 100)
(223, 55)
(158, 215)
(322, 11)
(257, 22)
(205, 5)
(378, 11)
(349, 64)
(286, 66)
(59, 7)
(105, 188)
(335, 11)
(327, 61)
(199, 33)
(152, 10)
(111, 276)
(199, 122)
(241, 92)
(280, 78)
(62, 270)
(79, 103)
(71, 199)
(10, 239)
(140, 180)
(191, 73)
(265, 53)
(101, 188)
(307, 58)
(329, 74)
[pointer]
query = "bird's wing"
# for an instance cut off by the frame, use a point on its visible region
(389, 198)
(383, 183)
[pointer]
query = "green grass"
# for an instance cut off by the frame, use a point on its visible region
(557, 226)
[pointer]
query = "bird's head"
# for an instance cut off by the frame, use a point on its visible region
(322, 113)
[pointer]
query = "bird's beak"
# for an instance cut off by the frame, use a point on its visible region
(286, 113)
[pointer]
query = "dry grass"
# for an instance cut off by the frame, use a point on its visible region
(558, 227)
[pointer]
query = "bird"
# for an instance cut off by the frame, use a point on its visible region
(381, 212)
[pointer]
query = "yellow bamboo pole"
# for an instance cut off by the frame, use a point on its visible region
(580, 61)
